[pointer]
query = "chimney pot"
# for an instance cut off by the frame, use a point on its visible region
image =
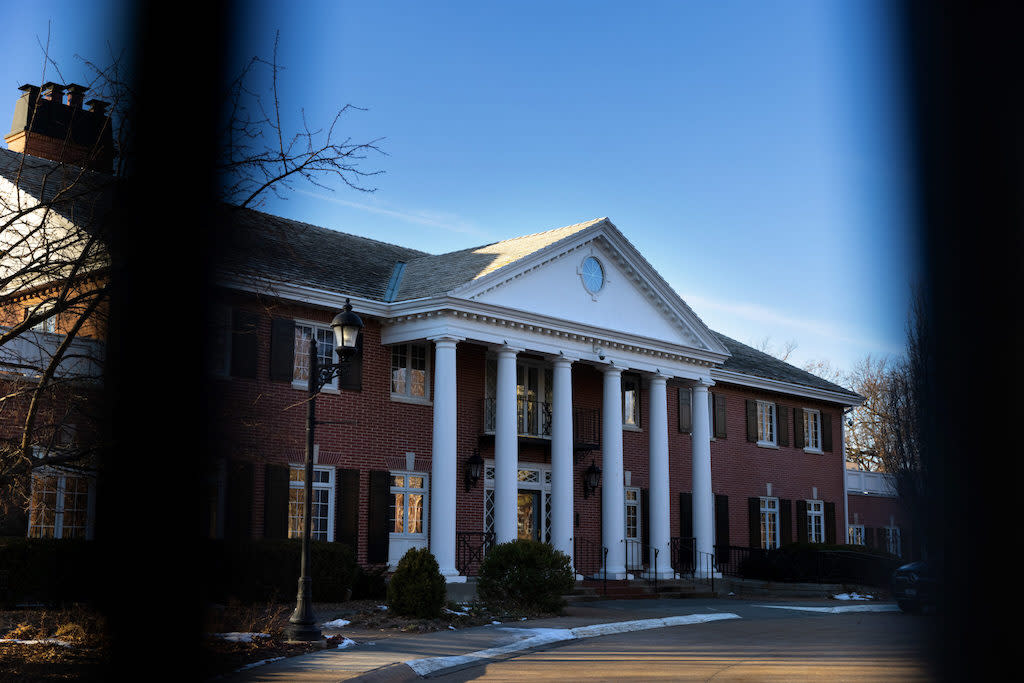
(53, 92)
(98, 106)
(76, 93)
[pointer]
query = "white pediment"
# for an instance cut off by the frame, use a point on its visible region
(633, 299)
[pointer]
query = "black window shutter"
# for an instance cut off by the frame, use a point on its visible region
(347, 505)
(721, 525)
(238, 506)
(798, 428)
(377, 530)
(243, 343)
(754, 522)
(685, 410)
(785, 522)
(351, 376)
(830, 523)
(282, 350)
(826, 432)
(752, 424)
(801, 521)
(685, 514)
(719, 402)
(645, 522)
(275, 501)
(782, 419)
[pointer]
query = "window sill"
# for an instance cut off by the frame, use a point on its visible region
(767, 444)
(632, 428)
(328, 388)
(398, 398)
(816, 451)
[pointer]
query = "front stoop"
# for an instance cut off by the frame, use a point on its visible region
(596, 589)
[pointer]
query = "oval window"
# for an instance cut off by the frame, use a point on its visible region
(593, 275)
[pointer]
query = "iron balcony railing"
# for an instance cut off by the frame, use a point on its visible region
(533, 419)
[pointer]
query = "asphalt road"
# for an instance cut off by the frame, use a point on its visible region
(764, 644)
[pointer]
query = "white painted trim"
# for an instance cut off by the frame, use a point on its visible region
(777, 386)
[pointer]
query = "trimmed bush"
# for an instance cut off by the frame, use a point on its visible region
(809, 562)
(49, 571)
(417, 588)
(525, 575)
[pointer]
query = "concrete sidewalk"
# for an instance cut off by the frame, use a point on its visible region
(382, 656)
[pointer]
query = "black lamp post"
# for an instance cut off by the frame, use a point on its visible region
(346, 325)
(591, 479)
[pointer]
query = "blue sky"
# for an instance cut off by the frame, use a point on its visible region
(750, 150)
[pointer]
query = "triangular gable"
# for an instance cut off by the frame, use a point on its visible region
(634, 299)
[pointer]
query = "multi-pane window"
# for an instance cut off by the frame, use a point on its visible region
(49, 323)
(631, 400)
(324, 345)
(59, 506)
(409, 491)
(766, 423)
(856, 533)
(893, 544)
(769, 523)
(409, 375)
(322, 509)
(812, 429)
(632, 513)
(815, 521)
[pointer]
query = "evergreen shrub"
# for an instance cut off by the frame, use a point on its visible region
(417, 589)
(525, 575)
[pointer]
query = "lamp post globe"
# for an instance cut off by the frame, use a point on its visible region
(346, 325)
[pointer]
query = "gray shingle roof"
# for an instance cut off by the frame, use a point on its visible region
(299, 253)
(750, 361)
(433, 275)
(77, 194)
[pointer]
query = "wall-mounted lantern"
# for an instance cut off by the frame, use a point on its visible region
(474, 469)
(591, 479)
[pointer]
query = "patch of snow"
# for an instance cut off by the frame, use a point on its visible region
(451, 628)
(461, 614)
(522, 618)
(382, 606)
(853, 596)
(837, 610)
(37, 641)
(347, 642)
(337, 623)
(496, 622)
(236, 637)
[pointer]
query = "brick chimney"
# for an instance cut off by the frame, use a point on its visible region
(48, 126)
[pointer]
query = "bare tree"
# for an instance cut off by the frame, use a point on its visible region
(56, 215)
(764, 345)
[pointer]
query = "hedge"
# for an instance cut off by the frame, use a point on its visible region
(809, 563)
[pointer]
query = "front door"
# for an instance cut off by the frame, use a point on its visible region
(634, 550)
(529, 514)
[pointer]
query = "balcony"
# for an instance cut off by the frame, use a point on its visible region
(870, 483)
(534, 424)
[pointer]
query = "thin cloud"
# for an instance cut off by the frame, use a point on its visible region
(762, 314)
(435, 220)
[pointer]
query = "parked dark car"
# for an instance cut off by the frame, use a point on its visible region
(915, 587)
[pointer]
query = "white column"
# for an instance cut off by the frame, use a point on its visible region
(561, 457)
(506, 449)
(660, 506)
(613, 495)
(443, 460)
(703, 498)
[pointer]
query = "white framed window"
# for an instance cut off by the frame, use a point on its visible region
(325, 352)
(409, 490)
(769, 523)
(410, 372)
(766, 424)
(533, 511)
(534, 387)
(322, 509)
(62, 504)
(812, 430)
(893, 542)
(856, 534)
(815, 521)
(49, 323)
(631, 401)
